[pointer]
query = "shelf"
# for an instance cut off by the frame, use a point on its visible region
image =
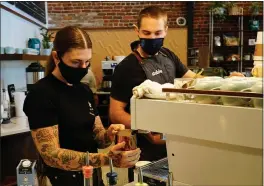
(234, 47)
(238, 28)
(226, 46)
(245, 15)
(244, 61)
(227, 31)
(23, 57)
(233, 64)
(225, 62)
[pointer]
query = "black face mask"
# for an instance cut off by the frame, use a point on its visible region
(151, 46)
(72, 75)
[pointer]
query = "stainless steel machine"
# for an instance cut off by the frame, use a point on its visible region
(34, 72)
(206, 144)
(108, 68)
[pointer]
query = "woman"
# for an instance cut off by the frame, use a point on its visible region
(63, 120)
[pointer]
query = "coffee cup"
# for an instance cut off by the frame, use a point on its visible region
(2, 50)
(236, 84)
(129, 137)
(19, 50)
(207, 84)
(256, 88)
(10, 50)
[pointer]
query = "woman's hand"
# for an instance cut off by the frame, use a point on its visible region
(123, 159)
(114, 129)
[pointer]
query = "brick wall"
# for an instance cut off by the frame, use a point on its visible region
(123, 14)
(106, 14)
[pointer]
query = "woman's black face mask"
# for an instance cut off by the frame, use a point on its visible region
(70, 74)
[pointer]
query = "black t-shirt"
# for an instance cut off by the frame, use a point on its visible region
(72, 108)
(128, 74)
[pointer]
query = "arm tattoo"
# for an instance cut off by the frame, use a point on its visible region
(47, 143)
(101, 134)
(116, 158)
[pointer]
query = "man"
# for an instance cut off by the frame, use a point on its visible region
(149, 60)
(90, 80)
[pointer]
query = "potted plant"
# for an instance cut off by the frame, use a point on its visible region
(46, 42)
(219, 10)
(254, 11)
(233, 9)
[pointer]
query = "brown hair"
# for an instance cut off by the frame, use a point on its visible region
(70, 37)
(153, 12)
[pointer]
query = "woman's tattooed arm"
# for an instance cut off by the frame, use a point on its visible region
(101, 135)
(47, 143)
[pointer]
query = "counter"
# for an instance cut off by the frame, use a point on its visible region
(102, 92)
(16, 126)
(16, 144)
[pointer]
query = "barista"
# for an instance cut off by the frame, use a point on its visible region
(63, 118)
(148, 60)
(151, 29)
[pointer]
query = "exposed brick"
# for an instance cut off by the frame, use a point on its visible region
(111, 13)
(116, 14)
(121, 13)
(128, 17)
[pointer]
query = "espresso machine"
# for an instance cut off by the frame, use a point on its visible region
(34, 72)
(108, 67)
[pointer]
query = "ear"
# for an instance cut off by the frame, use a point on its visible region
(55, 57)
(166, 30)
(136, 29)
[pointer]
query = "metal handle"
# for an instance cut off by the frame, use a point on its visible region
(140, 176)
(170, 179)
(111, 165)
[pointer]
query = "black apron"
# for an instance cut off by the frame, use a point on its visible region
(161, 69)
(73, 178)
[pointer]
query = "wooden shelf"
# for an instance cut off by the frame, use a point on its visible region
(229, 31)
(224, 47)
(225, 61)
(23, 57)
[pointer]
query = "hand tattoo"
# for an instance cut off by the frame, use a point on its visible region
(116, 159)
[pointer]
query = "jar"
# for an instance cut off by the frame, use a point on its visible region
(129, 137)
(257, 69)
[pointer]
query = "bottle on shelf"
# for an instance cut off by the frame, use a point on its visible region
(6, 105)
